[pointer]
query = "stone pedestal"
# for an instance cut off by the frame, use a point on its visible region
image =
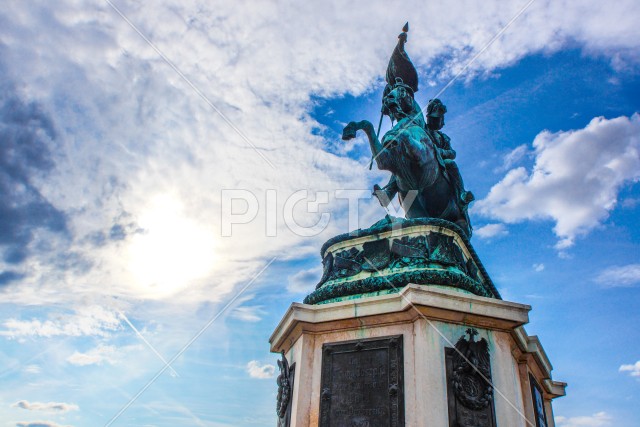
(429, 319)
(406, 328)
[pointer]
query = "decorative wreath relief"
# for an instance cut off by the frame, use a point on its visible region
(471, 377)
(285, 389)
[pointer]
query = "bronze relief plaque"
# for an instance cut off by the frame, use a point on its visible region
(362, 383)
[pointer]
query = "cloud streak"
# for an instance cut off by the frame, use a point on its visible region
(59, 407)
(248, 313)
(40, 424)
(619, 276)
(96, 356)
(599, 419)
(491, 230)
(633, 369)
(86, 321)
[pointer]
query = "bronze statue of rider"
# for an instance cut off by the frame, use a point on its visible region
(446, 155)
(402, 73)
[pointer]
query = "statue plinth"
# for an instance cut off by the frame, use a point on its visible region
(394, 252)
(345, 359)
(406, 328)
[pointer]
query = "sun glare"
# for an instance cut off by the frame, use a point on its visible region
(172, 251)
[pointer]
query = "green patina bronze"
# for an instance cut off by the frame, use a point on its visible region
(431, 245)
(417, 153)
(395, 282)
(402, 256)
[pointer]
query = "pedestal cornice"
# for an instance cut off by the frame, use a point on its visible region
(411, 302)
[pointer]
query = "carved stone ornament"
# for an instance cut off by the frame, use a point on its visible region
(285, 391)
(469, 389)
(472, 372)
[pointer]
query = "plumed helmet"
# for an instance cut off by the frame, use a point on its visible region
(436, 108)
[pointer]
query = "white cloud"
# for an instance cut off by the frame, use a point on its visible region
(39, 424)
(575, 179)
(258, 370)
(633, 370)
(86, 321)
(600, 419)
(538, 267)
(59, 407)
(95, 356)
(304, 281)
(129, 130)
(619, 276)
(513, 157)
(32, 369)
(248, 313)
(127, 120)
(491, 230)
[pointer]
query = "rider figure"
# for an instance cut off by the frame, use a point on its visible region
(446, 155)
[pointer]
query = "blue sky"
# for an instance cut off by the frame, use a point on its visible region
(115, 176)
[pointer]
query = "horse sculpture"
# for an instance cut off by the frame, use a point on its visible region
(408, 151)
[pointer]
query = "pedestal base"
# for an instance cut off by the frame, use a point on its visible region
(429, 320)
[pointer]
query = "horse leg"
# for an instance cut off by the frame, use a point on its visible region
(350, 130)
